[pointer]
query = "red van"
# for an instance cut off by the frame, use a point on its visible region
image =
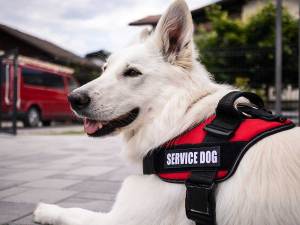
(42, 91)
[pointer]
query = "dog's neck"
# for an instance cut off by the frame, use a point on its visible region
(183, 110)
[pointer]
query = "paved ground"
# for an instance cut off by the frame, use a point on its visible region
(70, 170)
(56, 128)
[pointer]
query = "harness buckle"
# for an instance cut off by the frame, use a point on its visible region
(218, 130)
(200, 202)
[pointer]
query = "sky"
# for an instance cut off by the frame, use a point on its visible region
(83, 26)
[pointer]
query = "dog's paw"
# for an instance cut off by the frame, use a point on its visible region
(46, 214)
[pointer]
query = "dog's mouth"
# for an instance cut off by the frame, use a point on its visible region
(97, 128)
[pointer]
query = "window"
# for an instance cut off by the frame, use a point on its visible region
(40, 78)
(3, 72)
(72, 84)
(53, 81)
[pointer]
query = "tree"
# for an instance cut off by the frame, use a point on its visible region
(234, 49)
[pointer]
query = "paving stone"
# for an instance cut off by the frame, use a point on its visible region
(10, 211)
(116, 175)
(102, 160)
(91, 170)
(40, 195)
(69, 177)
(6, 171)
(72, 171)
(94, 205)
(96, 186)
(21, 166)
(27, 220)
(74, 149)
(30, 175)
(41, 158)
(50, 183)
(94, 196)
(12, 191)
(72, 160)
(5, 184)
(59, 166)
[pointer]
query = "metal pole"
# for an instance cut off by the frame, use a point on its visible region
(299, 65)
(15, 90)
(1, 78)
(278, 60)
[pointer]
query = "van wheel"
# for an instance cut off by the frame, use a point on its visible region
(46, 123)
(32, 118)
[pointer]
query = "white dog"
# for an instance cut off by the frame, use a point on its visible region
(153, 91)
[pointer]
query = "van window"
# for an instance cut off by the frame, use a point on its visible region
(72, 84)
(40, 78)
(2, 73)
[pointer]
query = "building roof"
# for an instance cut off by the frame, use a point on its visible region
(101, 54)
(148, 20)
(197, 14)
(45, 46)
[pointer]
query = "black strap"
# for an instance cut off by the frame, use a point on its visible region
(228, 118)
(260, 113)
(200, 202)
(226, 104)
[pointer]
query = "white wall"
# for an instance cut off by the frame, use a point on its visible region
(288, 93)
(252, 7)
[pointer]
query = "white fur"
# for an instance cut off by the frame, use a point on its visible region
(173, 93)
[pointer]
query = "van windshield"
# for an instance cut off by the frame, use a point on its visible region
(41, 78)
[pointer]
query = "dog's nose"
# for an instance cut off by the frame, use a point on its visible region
(79, 100)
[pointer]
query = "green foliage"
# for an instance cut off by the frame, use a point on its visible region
(84, 74)
(233, 49)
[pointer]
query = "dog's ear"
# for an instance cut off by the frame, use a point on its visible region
(174, 34)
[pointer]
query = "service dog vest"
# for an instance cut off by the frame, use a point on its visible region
(211, 151)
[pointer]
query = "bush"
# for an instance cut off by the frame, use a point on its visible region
(235, 49)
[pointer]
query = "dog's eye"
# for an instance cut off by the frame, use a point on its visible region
(131, 72)
(104, 67)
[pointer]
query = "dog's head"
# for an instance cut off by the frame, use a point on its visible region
(140, 78)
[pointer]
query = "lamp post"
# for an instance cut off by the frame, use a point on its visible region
(278, 57)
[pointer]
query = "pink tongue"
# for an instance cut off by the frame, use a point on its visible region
(91, 126)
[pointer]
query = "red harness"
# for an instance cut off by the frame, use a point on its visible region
(247, 130)
(211, 151)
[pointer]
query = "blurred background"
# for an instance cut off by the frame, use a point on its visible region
(59, 46)
(50, 47)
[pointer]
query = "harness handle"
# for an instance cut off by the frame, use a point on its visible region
(226, 104)
(228, 118)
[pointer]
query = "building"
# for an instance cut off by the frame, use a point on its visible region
(37, 48)
(98, 57)
(236, 9)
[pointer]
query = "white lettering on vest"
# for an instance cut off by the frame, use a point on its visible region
(195, 157)
(173, 159)
(214, 155)
(208, 157)
(182, 158)
(177, 158)
(202, 157)
(192, 158)
(169, 161)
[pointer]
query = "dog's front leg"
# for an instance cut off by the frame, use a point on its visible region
(142, 200)
(147, 200)
(56, 215)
